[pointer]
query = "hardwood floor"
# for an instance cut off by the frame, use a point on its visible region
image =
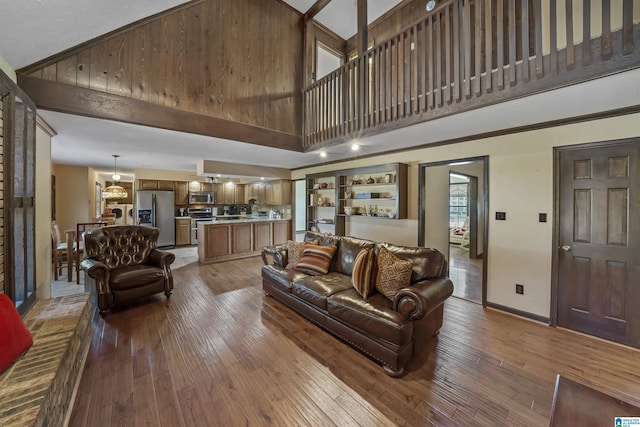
(466, 274)
(221, 353)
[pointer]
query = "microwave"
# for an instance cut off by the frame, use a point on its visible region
(201, 198)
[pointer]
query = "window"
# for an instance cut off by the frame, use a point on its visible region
(458, 201)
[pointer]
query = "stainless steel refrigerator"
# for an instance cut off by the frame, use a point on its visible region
(155, 208)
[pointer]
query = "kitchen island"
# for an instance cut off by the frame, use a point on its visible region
(225, 239)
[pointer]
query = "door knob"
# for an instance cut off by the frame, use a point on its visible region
(566, 248)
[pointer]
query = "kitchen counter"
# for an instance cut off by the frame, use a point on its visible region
(225, 239)
(182, 217)
(234, 219)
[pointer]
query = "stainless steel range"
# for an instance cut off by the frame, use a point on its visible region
(197, 215)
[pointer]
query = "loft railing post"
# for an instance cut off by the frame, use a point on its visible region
(627, 27)
(606, 29)
(570, 49)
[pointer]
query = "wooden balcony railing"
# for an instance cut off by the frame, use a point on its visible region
(468, 54)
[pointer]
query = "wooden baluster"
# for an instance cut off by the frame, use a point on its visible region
(524, 33)
(570, 49)
(423, 51)
(512, 42)
(627, 27)
(553, 37)
(415, 93)
(537, 10)
(606, 29)
(431, 53)
(456, 51)
(500, 43)
(447, 55)
(466, 25)
(477, 87)
(439, 59)
(586, 32)
(488, 45)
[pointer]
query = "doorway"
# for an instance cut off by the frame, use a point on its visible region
(452, 218)
(598, 239)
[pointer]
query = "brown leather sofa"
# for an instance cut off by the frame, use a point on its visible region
(387, 331)
(122, 263)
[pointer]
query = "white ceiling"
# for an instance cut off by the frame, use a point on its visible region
(56, 25)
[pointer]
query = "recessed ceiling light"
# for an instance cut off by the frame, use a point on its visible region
(430, 5)
(355, 146)
(323, 154)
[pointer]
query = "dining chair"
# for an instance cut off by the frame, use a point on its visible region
(58, 250)
(81, 227)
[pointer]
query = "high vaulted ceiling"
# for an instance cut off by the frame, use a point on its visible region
(32, 30)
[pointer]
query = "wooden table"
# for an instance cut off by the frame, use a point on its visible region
(575, 404)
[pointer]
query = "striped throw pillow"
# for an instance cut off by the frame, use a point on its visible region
(393, 273)
(362, 276)
(316, 260)
(294, 252)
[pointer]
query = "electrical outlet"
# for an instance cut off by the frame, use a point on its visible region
(542, 217)
(501, 216)
(519, 289)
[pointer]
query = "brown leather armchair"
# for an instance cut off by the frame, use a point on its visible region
(122, 263)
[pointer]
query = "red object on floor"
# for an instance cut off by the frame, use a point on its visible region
(15, 338)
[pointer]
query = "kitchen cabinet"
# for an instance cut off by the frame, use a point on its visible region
(281, 232)
(182, 192)
(206, 186)
(278, 192)
(242, 241)
(239, 194)
(216, 242)
(262, 235)
(155, 184)
(183, 232)
(256, 191)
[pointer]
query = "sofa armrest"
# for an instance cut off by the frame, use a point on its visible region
(161, 258)
(421, 298)
(96, 282)
(279, 254)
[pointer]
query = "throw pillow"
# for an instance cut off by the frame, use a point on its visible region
(15, 338)
(316, 260)
(362, 276)
(393, 273)
(294, 252)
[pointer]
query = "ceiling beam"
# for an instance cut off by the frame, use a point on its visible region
(64, 98)
(315, 9)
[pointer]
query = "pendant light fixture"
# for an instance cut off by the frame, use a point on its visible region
(115, 191)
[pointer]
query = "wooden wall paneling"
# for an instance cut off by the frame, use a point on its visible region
(213, 51)
(157, 66)
(83, 68)
(173, 45)
(99, 67)
(140, 62)
(66, 70)
(119, 66)
(193, 71)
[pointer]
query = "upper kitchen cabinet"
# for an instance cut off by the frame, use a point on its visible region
(278, 192)
(229, 193)
(255, 191)
(155, 184)
(182, 192)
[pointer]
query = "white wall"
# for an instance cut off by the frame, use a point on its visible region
(521, 184)
(73, 200)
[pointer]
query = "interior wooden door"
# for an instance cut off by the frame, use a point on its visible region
(599, 234)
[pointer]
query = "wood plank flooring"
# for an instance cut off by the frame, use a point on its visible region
(221, 353)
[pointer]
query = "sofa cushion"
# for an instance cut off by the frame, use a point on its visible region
(393, 273)
(348, 249)
(134, 276)
(280, 277)
(363, 275)
(428, 263)
(15, 338)
(294, 252)
(375, 316)
(316, 289)
(316, 259)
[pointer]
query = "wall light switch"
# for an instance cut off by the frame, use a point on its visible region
(542, 217)
(501, 216)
